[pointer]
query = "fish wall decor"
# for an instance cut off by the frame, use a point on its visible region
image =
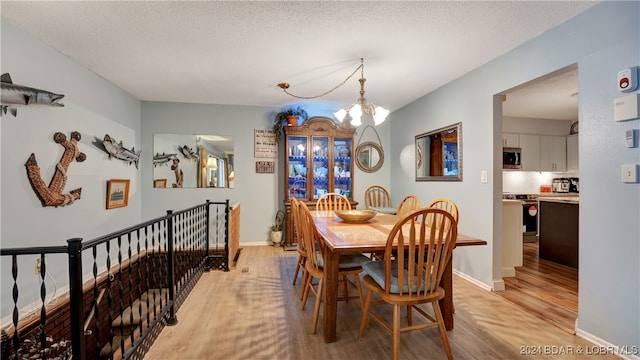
(14, 95)
(163, 159)
(188, 153)
(115, 149)
(52, 195)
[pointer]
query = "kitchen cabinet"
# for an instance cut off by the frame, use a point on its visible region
(530, 155)
(572, 153)
(510, 140)
(558, 234)
(318, 160)
(511, 236)
(553, 153)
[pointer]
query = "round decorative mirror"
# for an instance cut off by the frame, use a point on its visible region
(369, 157)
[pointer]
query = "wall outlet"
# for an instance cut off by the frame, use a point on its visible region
(36, 268)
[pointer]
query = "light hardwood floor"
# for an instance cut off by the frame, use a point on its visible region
(544, 289)
(254, 312)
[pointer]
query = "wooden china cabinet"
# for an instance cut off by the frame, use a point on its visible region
(318, 158)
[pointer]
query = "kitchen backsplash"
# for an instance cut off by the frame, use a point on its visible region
(528, 182)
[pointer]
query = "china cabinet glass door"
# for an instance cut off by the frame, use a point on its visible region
(342, 172)
(297, 156)
(320, 166)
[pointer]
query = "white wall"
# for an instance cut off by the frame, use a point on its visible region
(94, 108)
(603, 40)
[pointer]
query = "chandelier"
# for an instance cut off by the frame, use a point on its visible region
(354, 111)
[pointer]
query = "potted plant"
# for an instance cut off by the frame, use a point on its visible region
(289, 116)
(276, 234)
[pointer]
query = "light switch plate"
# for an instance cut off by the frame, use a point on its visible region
(629, 173)
(484, 177)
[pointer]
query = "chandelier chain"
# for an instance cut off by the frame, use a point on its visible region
(284, 86)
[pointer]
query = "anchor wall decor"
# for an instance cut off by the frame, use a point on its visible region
(52, 195)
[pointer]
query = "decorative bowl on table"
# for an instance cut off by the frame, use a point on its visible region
(355, 216)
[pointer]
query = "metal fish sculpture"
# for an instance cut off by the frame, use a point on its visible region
(188, 153)
(163, 159)
(13, 95)
(118, 151)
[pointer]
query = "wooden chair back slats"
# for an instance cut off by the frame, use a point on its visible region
(376, 196)
(333, 201)
(426, 231)
(407, 205)
(446, 205)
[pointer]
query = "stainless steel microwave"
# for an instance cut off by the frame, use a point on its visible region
(511, 158)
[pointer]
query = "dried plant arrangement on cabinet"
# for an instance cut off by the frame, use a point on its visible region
(115, 149)
(13, 95)
(52, 195)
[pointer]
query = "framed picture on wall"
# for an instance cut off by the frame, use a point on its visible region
(117, 193)
(160, 183)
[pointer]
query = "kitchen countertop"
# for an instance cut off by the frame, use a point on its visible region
(570, 199)
(512, 202)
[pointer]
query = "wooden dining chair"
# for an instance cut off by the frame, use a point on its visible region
(412, 278)
(446, 205)
(408, 204)
(349, 264)
(302, 252)
(376, 196)
(333, 201)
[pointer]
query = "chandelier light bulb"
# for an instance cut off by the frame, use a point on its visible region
(379, 115)
(340, 114)
(356, 114)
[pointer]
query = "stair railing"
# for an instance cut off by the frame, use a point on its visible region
(170, 252)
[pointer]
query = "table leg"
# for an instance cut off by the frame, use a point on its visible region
(331, 261)
(446, 303)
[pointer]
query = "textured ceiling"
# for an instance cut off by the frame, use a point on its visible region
(237, 52)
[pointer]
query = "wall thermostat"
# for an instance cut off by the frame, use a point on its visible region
(628, 79)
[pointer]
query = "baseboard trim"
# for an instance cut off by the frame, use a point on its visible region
(603, 347)
(508, 272)
(472, 280)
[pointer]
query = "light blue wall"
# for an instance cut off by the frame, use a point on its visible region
(259, 195)
(601, 41)
(94, 108)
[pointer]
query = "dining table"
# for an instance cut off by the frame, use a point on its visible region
(342, 238)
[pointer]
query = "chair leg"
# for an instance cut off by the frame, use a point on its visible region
(295, 274)
(443, 330)
(316, 310)
(365, 312)
(359, 288)
(409, 315)
(396, 332)
(306, 284)
(305, 275)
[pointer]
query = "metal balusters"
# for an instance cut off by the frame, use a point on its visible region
(226, 236)
(43, 308)
(76, 299)
(96, 294)
(14, 274)
(171, 269)
(109, 297)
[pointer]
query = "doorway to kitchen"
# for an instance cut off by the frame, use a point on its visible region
(538, 117)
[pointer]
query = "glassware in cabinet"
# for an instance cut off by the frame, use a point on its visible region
(297, 163)
(320, 166)
(342, 163)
